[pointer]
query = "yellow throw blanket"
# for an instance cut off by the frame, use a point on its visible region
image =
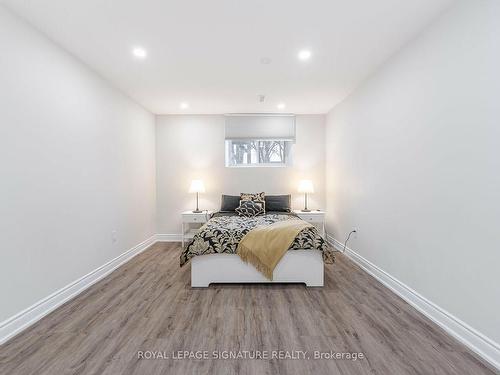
(264, 246)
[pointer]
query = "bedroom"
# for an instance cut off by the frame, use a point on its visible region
(119, 120)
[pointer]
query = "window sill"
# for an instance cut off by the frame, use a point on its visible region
(259, 166)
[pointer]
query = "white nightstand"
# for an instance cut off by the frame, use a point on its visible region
(191, 223)
(316, 218)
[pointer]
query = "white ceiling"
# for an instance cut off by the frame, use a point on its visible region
(208, 52)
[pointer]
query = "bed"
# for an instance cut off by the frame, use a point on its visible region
(214, 259)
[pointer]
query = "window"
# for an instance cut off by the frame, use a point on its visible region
(253, 152)
(259, 140)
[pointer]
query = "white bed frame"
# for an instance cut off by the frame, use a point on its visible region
(296, 266)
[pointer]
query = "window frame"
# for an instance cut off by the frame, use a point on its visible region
(288, 144)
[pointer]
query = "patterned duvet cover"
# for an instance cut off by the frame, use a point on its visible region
(224, 231)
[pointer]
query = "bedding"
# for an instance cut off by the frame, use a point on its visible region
(229, 203)
(279, 203)
(250, 209)
(255, 197)
(224, 231)
(264, 246)
(282, 203)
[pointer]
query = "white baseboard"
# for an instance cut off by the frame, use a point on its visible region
(32, 314)
(169, 237)
(476, 341)
(337, 245)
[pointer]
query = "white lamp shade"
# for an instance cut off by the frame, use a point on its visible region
(306, 186)
(197, 186)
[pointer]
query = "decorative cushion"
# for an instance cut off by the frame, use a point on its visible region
(255, 197)
(260, 204)
(279, 203)
(229, 203)
(250, 208)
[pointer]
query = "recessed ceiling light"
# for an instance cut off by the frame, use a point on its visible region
(184, 105)
(304, 54)
(265, 60)
(281, 106)
(139, 52)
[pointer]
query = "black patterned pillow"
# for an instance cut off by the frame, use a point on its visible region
(255, 197)
(250, 208)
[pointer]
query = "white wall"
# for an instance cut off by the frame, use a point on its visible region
(189, 147)
(413, 161)
(77, 161)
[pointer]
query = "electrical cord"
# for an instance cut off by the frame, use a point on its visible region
(349, 236)
(207, 215)
(332, 247)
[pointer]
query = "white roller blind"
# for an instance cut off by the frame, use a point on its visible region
(262, 127)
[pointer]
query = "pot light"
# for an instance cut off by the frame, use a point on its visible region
(304, 54)
(281, 106)
(265, 60)
(184, 105)
(139, 52)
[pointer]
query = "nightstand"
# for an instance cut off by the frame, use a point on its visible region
(315, 217)
(191, 223)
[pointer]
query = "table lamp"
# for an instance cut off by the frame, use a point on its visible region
(306, 186)
(197, 187)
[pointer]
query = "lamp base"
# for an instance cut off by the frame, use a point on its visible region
(197, 211)
(305, 210)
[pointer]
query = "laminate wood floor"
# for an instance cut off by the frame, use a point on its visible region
(148, 305)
